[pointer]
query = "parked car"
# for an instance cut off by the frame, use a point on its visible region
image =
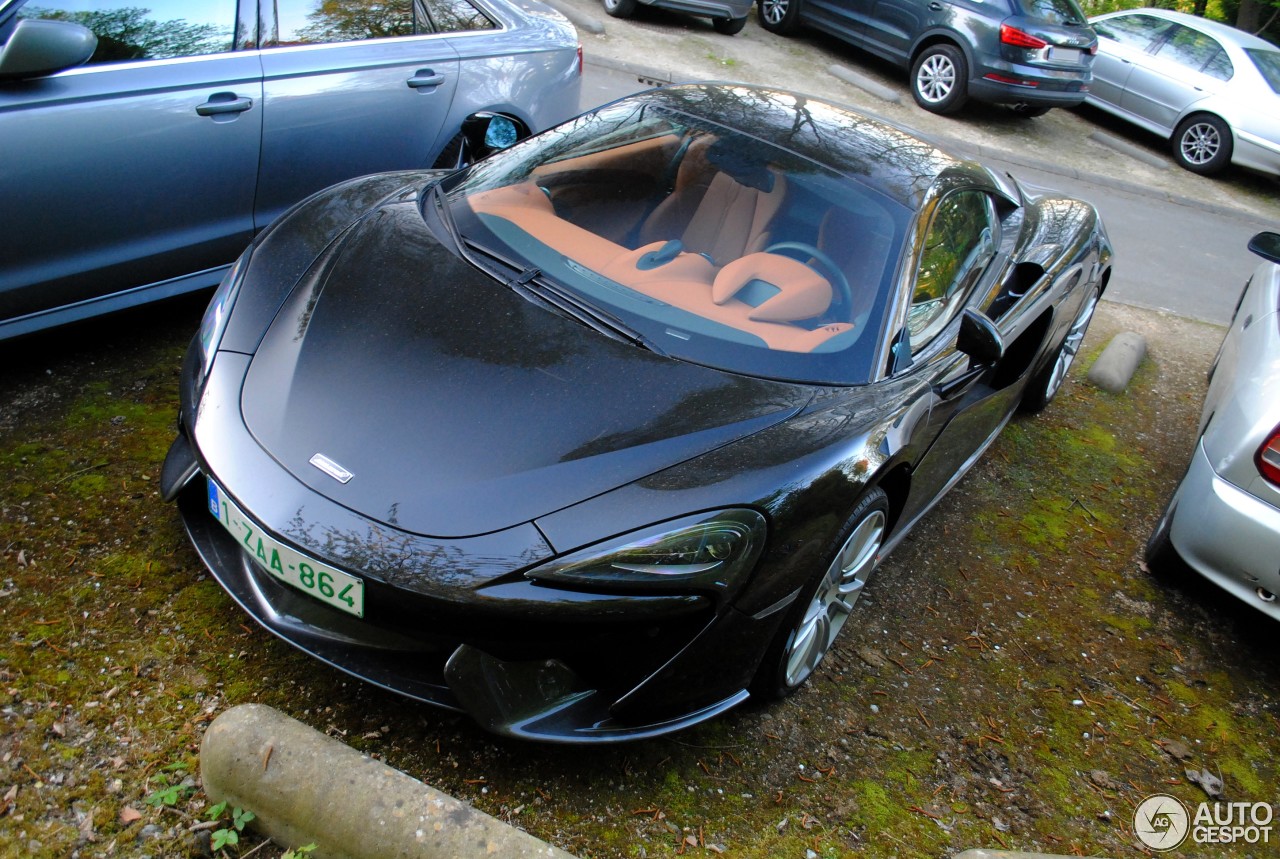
(727, 16)
(606, 432)
(145, 144)
(1212, 90)
(1032, 55)
(1223, 521)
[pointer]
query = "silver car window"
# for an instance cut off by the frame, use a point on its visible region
(456, 16)
(1196, 51)
(311, 22)
(155, 30)
(1268, 63)
(1135, 31)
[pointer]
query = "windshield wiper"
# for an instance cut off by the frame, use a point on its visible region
(532, 285)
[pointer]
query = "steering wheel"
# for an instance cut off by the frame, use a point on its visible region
(839, 283)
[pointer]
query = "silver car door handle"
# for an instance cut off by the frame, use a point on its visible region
(224, 102)
(936, 7)
(425, 78)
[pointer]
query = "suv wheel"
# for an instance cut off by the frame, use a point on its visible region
(620, 8)
(779, 16)
(940, 78)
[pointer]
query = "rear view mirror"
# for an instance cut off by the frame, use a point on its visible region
(980, 339)
(1267, 246)
(38, 48)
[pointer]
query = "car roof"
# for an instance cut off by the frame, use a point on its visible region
(1221, 31)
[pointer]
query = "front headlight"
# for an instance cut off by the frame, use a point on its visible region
(216, 314)
(708, 551)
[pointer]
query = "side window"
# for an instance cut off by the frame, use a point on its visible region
(314, 22)
(960, 242)
(1194, 50)
(157, 30)
(1136, 31)
(456, 16)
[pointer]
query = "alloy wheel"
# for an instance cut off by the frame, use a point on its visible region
(773, 11)
(834, 599)
(936, 78)
(1200, 143)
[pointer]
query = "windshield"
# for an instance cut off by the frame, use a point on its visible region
(715, 246)
(1268, 63)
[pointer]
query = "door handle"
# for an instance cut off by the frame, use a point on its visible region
(222, 103)
(935, 6)
(425, 78)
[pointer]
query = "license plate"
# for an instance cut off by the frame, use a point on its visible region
(338, 589)
(1066, 55)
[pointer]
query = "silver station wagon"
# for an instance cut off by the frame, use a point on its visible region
(145, 144)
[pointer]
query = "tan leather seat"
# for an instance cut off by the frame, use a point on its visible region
(722, 203)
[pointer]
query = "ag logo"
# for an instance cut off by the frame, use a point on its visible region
(1161, 822)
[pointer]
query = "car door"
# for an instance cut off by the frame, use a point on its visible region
(1122, 41)
(846, 19)
(957, 256)
(137, 168)
(1185, 67)
(350, 88)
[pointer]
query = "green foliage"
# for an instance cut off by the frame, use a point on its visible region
(225, 836)
(170, 790)
(299, 852)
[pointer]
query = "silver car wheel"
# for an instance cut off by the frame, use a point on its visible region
(1200, 143)
(834, 599)
(936, 78)
(1071, 345)
(773, 11)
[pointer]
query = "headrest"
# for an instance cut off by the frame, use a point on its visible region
(741, 166)
(795, 291)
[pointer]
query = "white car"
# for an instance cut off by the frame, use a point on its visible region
(1224, 519)
(1213, 90)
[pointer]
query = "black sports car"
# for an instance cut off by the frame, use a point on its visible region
(599, 436)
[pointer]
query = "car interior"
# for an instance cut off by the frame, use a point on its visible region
(734, 248)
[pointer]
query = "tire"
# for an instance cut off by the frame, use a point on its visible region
(826, 601)
(1203, 144)
(729, 26)
(1029, 111)
(779, 16)
(1045, 386)
(940, 79)
(620, 8)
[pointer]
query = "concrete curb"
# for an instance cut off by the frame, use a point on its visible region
(865, 84)
(1118, 362)
(1124, 147)
(305, 787)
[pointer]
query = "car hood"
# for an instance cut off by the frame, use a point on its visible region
(458, 407)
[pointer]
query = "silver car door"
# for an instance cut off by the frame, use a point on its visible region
(135, 169)
(1162, 85)
(348, 92)
(1122, 41)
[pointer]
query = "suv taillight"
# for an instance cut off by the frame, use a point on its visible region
(1017, 38)
(1268, 457)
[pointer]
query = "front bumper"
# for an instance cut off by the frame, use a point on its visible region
(455, 623)
(1227, 535)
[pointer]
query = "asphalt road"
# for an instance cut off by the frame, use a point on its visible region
(1173, 253)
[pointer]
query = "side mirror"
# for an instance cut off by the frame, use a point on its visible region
(487, 132)
(980, 339)
(1267, 246)
(38, 48)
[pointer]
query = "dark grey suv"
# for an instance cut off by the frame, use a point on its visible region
(1029, 54)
